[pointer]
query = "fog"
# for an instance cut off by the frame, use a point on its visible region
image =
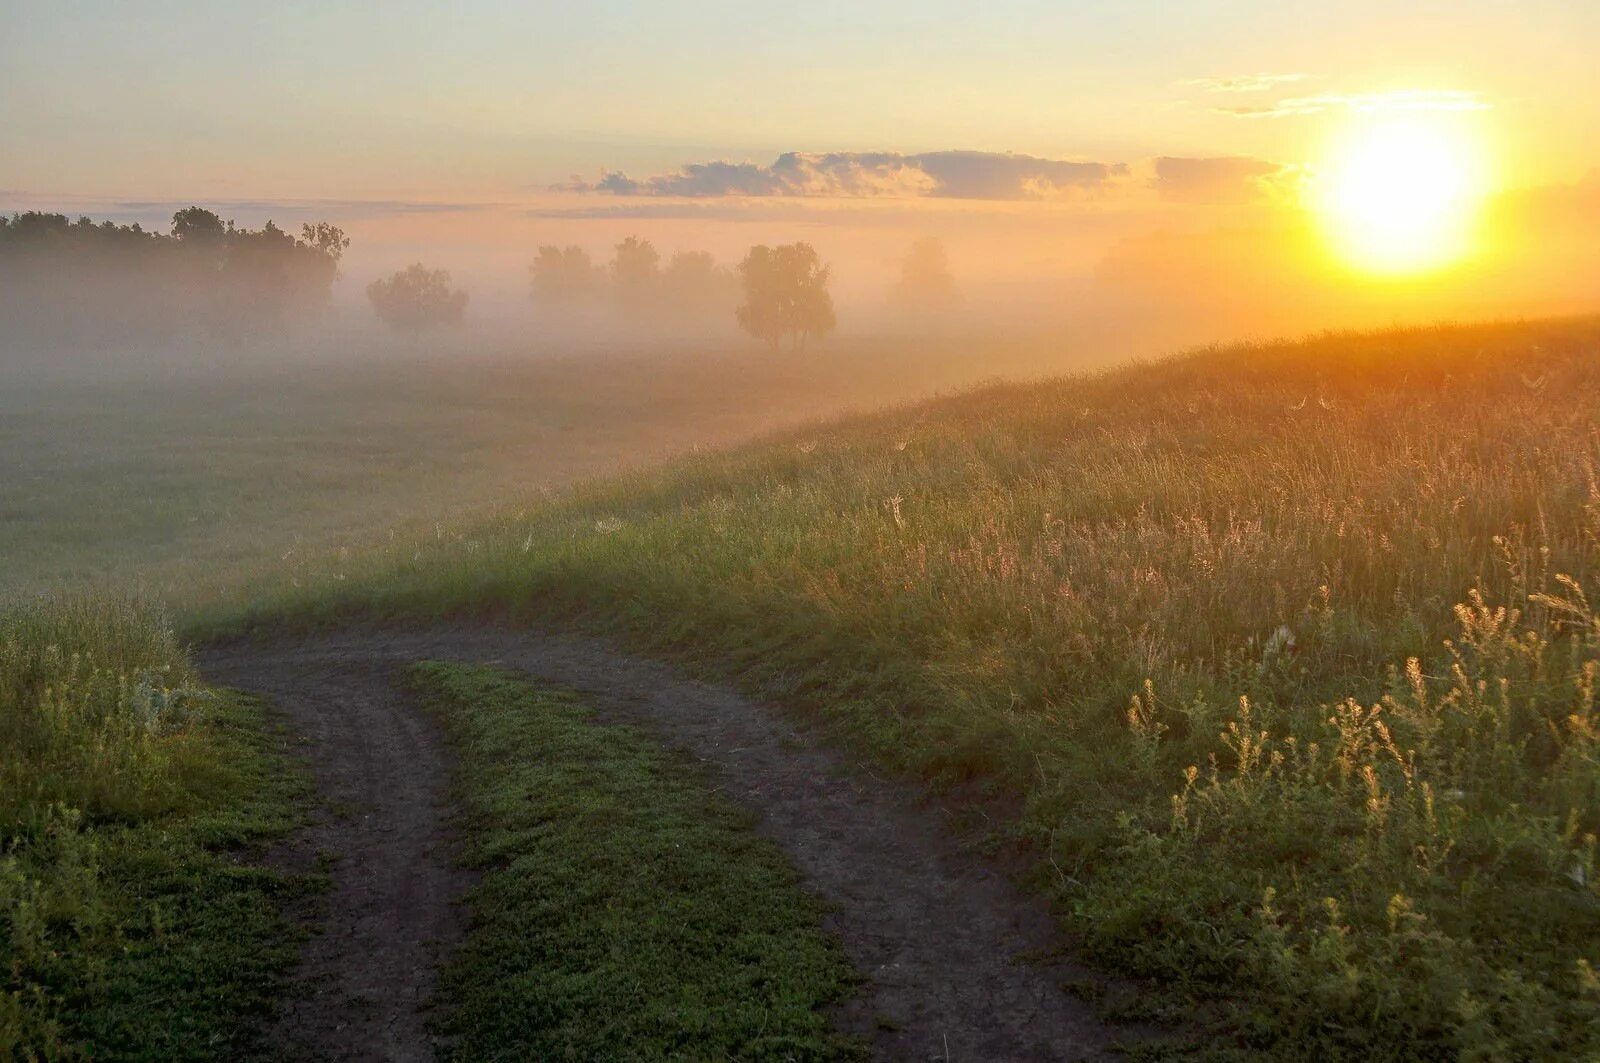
(222, 389)
(1085, 281)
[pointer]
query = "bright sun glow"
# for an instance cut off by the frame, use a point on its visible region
(1401, 195)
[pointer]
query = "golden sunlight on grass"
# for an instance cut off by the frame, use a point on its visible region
(1401, 194)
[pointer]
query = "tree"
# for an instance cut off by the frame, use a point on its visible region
(265, 274)
(925, 281)
(564, 275)
(325, 239)
(79, 280)
(636, 273)
(417, 298)
(785, 294)
(693, 285)
(196, 225)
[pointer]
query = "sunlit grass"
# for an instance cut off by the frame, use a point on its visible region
(1284, 649)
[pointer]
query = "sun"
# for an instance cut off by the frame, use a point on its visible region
(1401, 195)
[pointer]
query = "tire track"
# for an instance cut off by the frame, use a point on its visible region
(936, 933)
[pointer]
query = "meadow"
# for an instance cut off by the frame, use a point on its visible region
(1277, 660)
(139, 914)
(188, 473)
(1281, 654)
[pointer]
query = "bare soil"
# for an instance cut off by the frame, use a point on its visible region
(958, 963)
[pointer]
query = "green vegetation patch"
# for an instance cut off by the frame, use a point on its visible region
(133, 924)
(625, 911)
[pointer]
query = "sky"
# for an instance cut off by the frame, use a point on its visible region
(491, 99)
(1084, 124)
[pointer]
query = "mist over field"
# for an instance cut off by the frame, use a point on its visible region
(219, 383)
(1105, 275)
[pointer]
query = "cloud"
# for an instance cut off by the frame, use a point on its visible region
(1221, 179)
(1246, 83)
(848, 174)
(1365, 102)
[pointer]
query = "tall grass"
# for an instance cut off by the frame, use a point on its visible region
(1286, 650)
(95, 701)
(126, 931)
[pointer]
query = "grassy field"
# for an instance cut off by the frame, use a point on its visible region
(169, 477)
(1283, 650)
(132, 798)
(626, 911)
(131, 924)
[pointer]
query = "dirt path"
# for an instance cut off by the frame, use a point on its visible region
(937, 933)
(383, 776)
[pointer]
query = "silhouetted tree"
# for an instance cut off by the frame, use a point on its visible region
(563, 276)
(327, 240)
(196, 225)
(925, 281)
(417, 298)
(62, 280)
(785, 294)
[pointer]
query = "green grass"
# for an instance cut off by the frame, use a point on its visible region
(1283, 650)
(132, 923)
(625, 912)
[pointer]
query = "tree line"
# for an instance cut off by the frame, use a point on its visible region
(68, 280)
(636, 283)
(62, 279)
(777, 294)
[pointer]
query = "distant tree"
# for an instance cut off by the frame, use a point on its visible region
(327, 240)
(925, 282)
(690, 269)
(196, 225)
(692, 284)
(61, 279)
(563, 276)
(785, 294)
(636, 273)
(267, 273)
(417, 298)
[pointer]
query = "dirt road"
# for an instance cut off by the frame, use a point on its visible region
(935, 931)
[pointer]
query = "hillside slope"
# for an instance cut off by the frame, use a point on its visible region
(1284, 652)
